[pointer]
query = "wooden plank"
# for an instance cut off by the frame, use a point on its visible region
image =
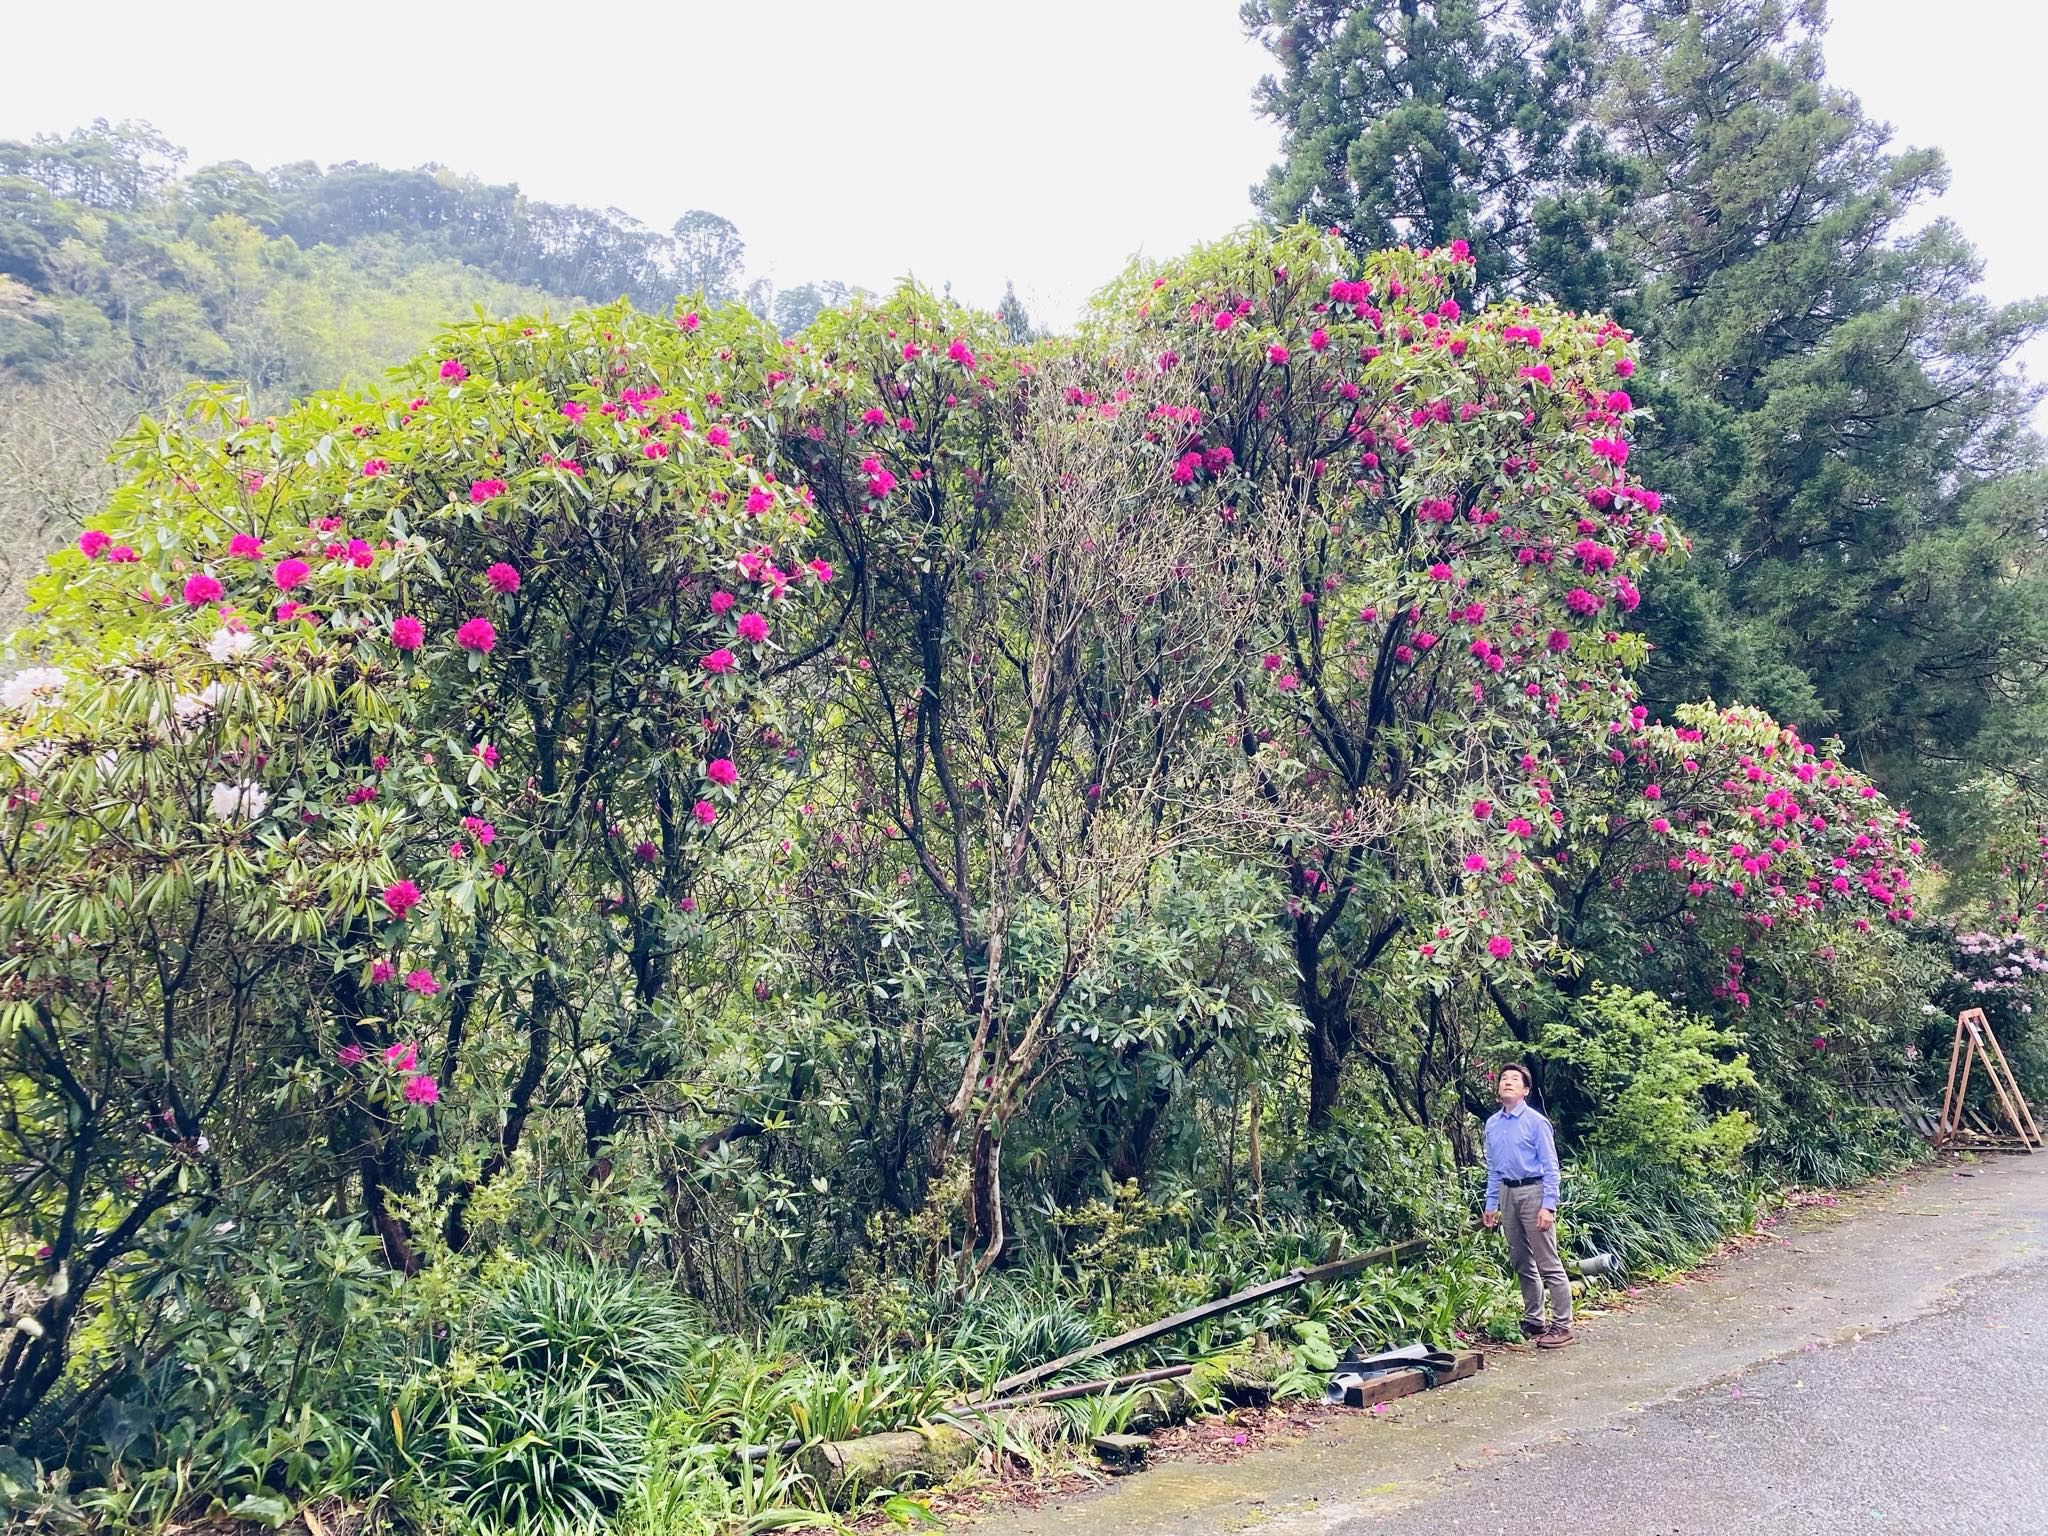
(1948, 1097)
(1384, 1389)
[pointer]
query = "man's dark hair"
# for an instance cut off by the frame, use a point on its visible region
(1528, 1079)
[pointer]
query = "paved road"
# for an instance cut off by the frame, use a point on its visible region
(1937, 1425)
(1880, 1365)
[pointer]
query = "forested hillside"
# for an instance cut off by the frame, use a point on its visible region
(124, 275)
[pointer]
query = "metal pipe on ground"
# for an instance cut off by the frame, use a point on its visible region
(1339, 1269)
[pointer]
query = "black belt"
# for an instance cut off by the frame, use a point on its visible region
(1520, 1183)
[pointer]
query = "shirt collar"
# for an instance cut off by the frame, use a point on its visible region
(1516, 1112)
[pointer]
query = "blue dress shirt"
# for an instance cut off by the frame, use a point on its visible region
(1519, 1146)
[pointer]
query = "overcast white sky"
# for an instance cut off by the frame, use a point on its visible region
(964, 140)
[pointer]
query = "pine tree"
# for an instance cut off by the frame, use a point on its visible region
(1426, 121)
(1016, 319)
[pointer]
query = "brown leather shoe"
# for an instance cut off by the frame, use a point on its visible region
(1557, 1336)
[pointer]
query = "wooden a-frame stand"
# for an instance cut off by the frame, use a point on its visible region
(1975, 1042)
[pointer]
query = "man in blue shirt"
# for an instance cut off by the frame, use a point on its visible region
(1521, 1196)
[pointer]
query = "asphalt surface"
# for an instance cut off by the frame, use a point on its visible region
(1878, 1363)
(1938, 1425)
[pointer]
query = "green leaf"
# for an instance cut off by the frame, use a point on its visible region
(269, 1508)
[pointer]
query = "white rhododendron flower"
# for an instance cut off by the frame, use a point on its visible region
(195, 706)
(26, 688)
(227, 644)
(233, 800)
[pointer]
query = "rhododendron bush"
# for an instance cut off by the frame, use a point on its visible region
(774, 812)
(1446, 624)
(1034, 670)
(381, 760)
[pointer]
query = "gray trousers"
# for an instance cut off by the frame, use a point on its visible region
(1534, 1252)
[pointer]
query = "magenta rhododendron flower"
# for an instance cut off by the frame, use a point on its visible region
(372, 468)
(1500, 946)
(246, 546)
(721, 601)
(478, 635)
(401, 1057)
(691, 321)
(201, 588)
(407, 632)
(400, 897)
(350, 1055)
(421, 982)
(752, 628)
(1481, 809)
(820, 569)
(290, 573)
(719, 661)
(758, 501)
(91, 542)
(705, 812)
(720, 770)
(422, 1090)
(503, 578)
(453, 371)
(381, 972)
(484, 490)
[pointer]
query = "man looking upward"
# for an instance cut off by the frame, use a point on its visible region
(1521, 1195)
